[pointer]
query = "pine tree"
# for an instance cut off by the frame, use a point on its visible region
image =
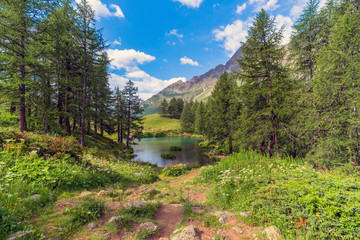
(120, 114)
(224, 108)
(187, 118)
(172, 108)
(266, 88)
(133, 121)
(179, 108)
(163, 109)
(336, 88)
(304, 41)
(200, 119)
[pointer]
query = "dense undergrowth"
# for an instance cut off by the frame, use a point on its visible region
(36, 168)
(288, 193)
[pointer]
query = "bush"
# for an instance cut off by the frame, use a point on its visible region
(175, 170)
(176, 148)
(168, 156)
(160, 134)
(87, 212)
(288, 193)
(147, 135)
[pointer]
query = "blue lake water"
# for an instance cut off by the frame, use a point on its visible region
(150, 150)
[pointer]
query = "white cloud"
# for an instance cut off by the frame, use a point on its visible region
(287, 23)
(128, 59)
(185, 60)
(190, 3)
(102, 10)
(175, 33)
(267, 5)
(119, 13)
(117, 42)
(322, 3)
(232, 35)
(241, 8)
(147, 85)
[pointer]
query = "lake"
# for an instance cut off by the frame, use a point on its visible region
(150, 150)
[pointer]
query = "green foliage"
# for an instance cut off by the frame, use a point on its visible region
(168, 155)
(287, 193)
(157, 123)
(89, 211)
(176, 148)
(160, 134)
(187, 119)
(175, 170)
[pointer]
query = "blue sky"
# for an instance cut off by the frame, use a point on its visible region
(158, 42)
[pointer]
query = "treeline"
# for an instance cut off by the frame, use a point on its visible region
(172, 109)
(301, 99)
(54, 71)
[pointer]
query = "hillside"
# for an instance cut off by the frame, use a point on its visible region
(155, 122)
(197, 88)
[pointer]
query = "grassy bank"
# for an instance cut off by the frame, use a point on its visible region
(38, 169)
(302, 202)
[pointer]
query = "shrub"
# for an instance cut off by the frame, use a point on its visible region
(88, 211)
(287, 193)
(175, 170)
(148, 135)
(176, 148)
(160, 134)
(168, 155)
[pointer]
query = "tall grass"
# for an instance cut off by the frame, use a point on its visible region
(288, 193)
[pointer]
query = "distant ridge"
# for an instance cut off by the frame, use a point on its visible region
(197, 88)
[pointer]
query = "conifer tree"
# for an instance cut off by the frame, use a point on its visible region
(120, 114)
(133, 121)
(172, 107)
(336, 88)
(163, 109)
(224, 108)
(187, 118)
(266, 88)
(179, 108)
(200, 119)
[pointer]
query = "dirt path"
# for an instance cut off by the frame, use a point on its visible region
(168, 218)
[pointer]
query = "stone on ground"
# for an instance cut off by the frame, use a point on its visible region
(272, 233)
(20, 235)
(223, 220)
(92, 226)
(116, 220)
(188, 233)
(35, 197)
(102, 192)
(222, 214)
(136, 204)
(149, 226)
(244, 214)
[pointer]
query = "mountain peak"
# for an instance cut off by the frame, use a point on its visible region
(197, 88)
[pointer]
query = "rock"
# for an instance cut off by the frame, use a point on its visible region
(102, 192)
(149, 191)
(237, 229)
(35, 197)
(116, 220)
(136, 204)
(223, 220)
(244, 214)
(113, 206)
(20, 235)
(149, 226)
(103, 235)
(138, 174)
(222, 214)
(92, 226)
(84, 194)
(188, 233)
(272, 233)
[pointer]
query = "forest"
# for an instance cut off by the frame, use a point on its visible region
(281, 134)
(298, 100)
(54, 72)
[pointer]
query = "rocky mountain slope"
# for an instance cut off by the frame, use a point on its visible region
(197, 88)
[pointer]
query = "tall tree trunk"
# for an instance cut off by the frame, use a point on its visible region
(128, 126)
(88, 127)
(95, 125)
(22, 109)
(67, 111)
(101, 127)
(230, 144)
(83, 110)
(12, 108)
